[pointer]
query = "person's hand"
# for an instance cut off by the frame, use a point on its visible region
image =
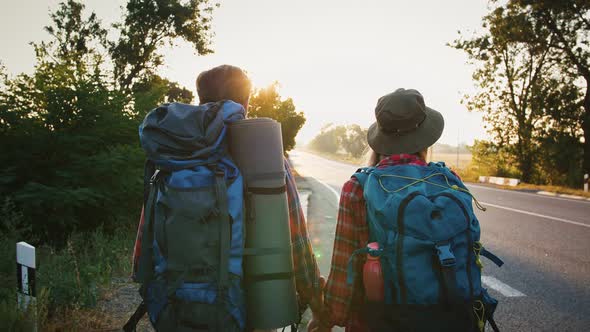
(317, 301)
(314, 325)
(317, 305)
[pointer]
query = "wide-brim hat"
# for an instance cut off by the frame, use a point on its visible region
(404, 124)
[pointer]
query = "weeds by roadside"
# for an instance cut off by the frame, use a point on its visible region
(548, 188)
(470, 173)
(69, 279)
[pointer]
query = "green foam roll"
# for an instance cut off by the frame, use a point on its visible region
(271, 300)
(270, 288)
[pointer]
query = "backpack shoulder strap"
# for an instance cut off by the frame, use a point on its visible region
(148, 171)
(362, 174)
(145, 265)
(437, 164)
(224, 245)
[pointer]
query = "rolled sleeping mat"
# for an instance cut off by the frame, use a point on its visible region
(257, 148)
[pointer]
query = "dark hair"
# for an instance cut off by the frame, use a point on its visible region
(223, 83)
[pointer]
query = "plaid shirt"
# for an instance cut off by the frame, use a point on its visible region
(342, 301)
(306, 269)
(307, 273)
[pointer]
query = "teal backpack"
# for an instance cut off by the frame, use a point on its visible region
(190, 265)
(429, 249)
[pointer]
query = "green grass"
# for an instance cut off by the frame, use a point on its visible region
(467, 170)
(549, 188)
(68, 279)
(450, 159)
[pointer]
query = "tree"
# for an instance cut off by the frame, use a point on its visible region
(534, 106)
(329, 139)
(267, 103)
(151, 24)
(568, 24)
(156, 90)
(70, 155)
(148, 25)
(73, 36)
(351, 139)
(355, 140)
(560, 137)
(179, 94)
(512, 80)
(489, 159)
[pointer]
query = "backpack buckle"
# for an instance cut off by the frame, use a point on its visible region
(218, 171)
(445, 255)
(155, 176)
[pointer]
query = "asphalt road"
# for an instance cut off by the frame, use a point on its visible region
(544, 242)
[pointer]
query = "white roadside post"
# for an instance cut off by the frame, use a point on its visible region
(25, 271)
(586, 182)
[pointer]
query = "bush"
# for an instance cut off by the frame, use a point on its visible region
(74, 274)
(268, 103)
(351, 140)
(16, 319)
(70, 151)
(71, 277)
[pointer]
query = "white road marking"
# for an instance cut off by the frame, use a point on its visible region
(304, 199)
(500, 287)
(489, 281)
(538, 194)
(337, 194)
(537, 215)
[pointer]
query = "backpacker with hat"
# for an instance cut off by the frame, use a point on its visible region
(192, 241)
(429, 248)
(423, 230)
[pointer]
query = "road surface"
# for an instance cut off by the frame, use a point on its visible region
(544, 242)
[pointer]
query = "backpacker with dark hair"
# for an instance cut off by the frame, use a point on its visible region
(192, 239)
(429, 248)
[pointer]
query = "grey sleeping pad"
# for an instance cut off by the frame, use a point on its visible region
(271, 300)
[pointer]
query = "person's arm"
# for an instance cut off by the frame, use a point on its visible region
(307, 273)
(148, 170)
(351, 223)
(137, 246)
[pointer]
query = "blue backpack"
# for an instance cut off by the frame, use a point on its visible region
(190, 265)
(429, 249)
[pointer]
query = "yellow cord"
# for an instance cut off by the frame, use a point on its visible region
(424, 180)
(478, 306)
(477, 246)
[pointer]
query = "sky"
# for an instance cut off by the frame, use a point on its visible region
(335, 58)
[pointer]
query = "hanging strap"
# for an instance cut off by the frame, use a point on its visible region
(487, 254)
(267, 191)
(350, 273)
(447, 266)
(224, 246)
(493, 324)
(249, 198)
(135, 318)
(145, 270)
(249, 279)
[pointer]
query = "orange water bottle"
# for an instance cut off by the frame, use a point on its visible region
(373, 276)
